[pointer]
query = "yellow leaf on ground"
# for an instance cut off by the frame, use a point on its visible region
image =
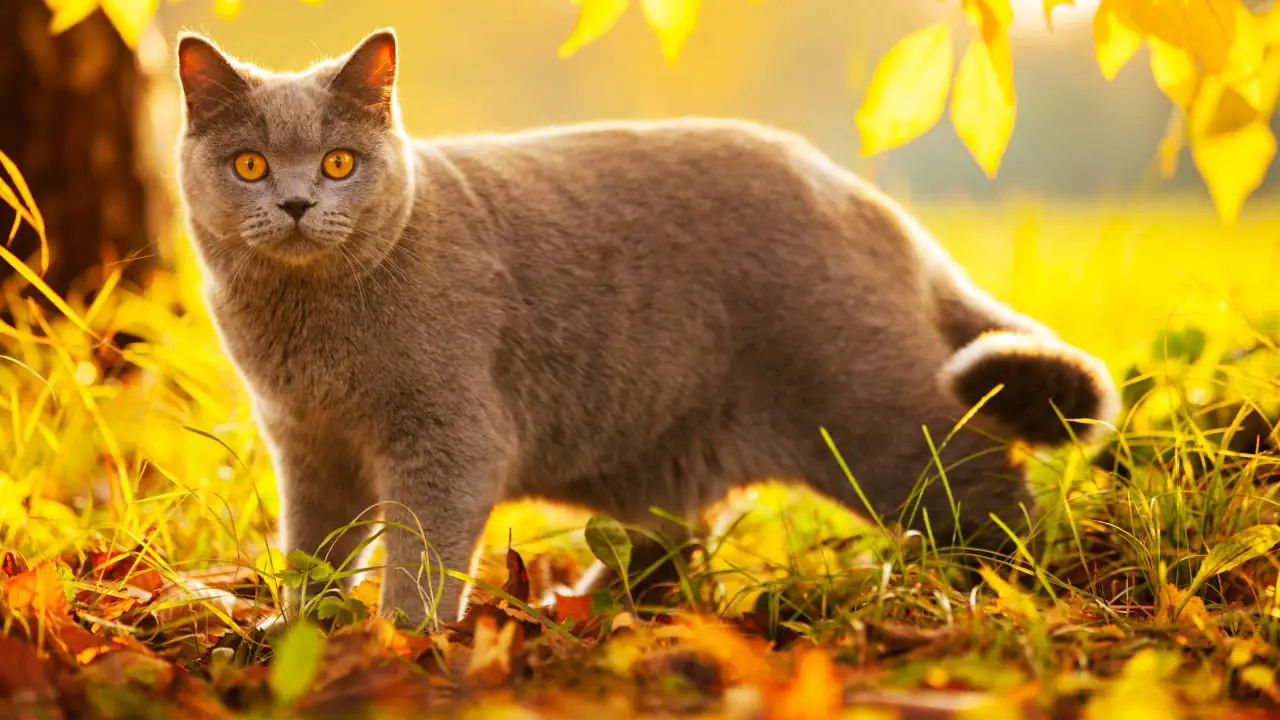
(1174, 70)
(130, 17)
(1140, 693)
(1193, 610)
(673, 22)
(67, 13)
(743, 659)
(1231, 149)
(983, 102)
(596, 18)
(1115, 37)
(908, 90)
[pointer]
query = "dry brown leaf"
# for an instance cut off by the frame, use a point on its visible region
(491, 653)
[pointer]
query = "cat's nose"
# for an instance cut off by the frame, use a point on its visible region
(296, 207)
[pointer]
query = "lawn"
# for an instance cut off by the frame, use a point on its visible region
(137, 511)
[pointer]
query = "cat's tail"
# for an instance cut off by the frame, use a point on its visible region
(1043, 380)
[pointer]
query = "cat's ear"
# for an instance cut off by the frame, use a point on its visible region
(368, 75)
(209, 81)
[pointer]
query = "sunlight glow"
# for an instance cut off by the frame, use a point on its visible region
(1028, 15)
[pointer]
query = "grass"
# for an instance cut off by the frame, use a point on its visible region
(1151, 588)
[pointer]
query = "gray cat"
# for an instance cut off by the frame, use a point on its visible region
(616, 315)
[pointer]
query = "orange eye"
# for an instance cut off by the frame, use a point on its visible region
(251, 166)
(338, 164)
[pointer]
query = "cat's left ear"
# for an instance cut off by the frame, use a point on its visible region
(369, 73)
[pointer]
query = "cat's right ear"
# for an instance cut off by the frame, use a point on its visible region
(209, 81)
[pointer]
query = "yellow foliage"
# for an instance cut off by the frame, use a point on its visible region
(1049, 5)
(1140, 693)
(595, 18)
(1231, 144)
(130, 17)
(672, 21)
(1115, 37)
(908, 90)
(66, 13)
(983, 103)
(1174, 71)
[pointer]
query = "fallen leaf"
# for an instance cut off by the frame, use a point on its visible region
(575, 607)
(491, 653)
(39, 592)
(813, 694)
(517, 584)
(296, 661)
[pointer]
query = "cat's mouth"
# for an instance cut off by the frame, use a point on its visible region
(293, 246)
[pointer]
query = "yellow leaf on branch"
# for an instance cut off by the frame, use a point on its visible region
(595, 18)
(1174, 70)
(1165, 20)
(983, 102)
(992, 18)
(67, 13)
(130, 17)
(1115, 37)
(673, 21)
(908, 90)
(1231, 145)
(1212, 31)
(1049, 5)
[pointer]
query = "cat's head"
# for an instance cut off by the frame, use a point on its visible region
(303, 172)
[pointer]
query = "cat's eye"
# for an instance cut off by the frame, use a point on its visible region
(251, 166)
(338, 164)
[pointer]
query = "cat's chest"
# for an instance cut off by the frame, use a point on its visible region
(298, 353)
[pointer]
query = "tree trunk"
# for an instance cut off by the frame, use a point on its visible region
(70, 120)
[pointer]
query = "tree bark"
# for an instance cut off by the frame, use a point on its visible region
(70, 115)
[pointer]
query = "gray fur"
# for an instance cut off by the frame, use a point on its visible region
(616, 315)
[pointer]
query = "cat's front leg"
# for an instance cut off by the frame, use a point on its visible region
(438, 486)
(323, 489)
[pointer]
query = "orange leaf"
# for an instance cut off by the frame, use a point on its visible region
(577, 607)
(39, 591)
(814, 693)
